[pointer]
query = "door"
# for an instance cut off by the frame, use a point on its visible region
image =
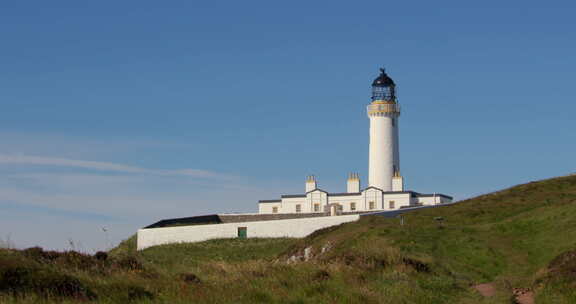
(242, 232)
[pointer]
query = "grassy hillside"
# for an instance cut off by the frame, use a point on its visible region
(522, 237)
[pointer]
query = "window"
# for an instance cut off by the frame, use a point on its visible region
(371, 205)
(316, 207)
(274, 209)
(393, 122)
(298, 208)
(352, 206)
(392, 204)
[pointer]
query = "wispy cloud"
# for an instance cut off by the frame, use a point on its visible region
(27, 209)
(103, 166)
(54, 188)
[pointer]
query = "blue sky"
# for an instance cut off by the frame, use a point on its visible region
(119, 113)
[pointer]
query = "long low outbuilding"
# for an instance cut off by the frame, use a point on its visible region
(275, 228)
(248, 225)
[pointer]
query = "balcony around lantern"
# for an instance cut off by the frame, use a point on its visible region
(383, 108)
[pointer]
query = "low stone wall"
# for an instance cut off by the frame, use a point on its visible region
(296, 228)
(238, 218)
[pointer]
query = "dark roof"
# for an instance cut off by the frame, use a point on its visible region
(344, 194)
(372, 187)
(293, 195)
(383, 80)
(230, 218)
(412, 193)
(269, 201)
(185, 221)
(317, 189)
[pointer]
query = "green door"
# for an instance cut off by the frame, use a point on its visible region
(242, 232)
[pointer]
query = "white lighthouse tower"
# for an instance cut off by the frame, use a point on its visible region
(384, 158)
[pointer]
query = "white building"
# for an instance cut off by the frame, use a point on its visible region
(385, 189)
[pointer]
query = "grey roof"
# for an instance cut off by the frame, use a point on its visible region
(372, 187)
(317, 189)
(293, 195)
(344, 194)
(269, 201)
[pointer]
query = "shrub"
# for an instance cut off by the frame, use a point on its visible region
(21, 280)
(564, 266)
(77, 260)
(321, 275)
(101, 256)
(129, 263)
(190, 278)
(123, 292)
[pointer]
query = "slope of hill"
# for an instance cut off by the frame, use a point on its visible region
(522, 238)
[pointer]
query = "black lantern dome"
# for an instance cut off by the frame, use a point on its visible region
(383, 88)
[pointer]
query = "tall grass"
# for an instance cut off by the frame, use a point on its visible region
(515, 238)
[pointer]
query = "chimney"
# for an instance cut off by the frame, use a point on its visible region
(397, 182)
(310, 183)
(353, 185)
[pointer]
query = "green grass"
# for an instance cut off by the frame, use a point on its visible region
(522, 237)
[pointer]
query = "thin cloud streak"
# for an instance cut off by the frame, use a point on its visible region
(103, 166)
(27, 209)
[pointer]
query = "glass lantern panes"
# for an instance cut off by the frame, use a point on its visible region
(383, 93)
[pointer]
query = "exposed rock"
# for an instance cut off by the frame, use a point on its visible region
(326, 248)
(523, 296)
(303, 256)
(307, 254)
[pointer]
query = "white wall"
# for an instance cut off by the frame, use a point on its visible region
(267, 207)
(371, 195)
(264, 229)
(345, 201)
(362, 201)
(316, 197)
(400, 200)
(433, 200)
(289, 205)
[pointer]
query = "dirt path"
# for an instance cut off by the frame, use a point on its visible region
(521, 295)
(486, 289)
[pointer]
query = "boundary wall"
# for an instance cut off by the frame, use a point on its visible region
(295, 228)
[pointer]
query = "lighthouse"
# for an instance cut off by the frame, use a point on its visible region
(385, 190)
(384, 157)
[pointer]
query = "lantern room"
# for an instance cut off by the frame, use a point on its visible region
(383, 88)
